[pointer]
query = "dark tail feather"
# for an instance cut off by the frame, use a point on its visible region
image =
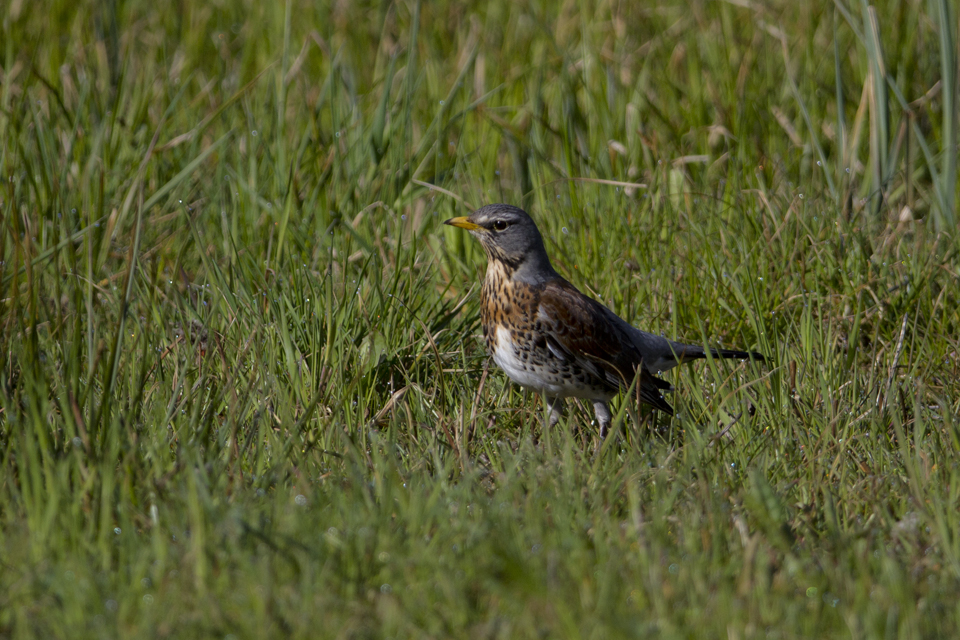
(664, 406)
(657, 399)
(660, 383)
(740, 355)
(648, 389)
(653, 398)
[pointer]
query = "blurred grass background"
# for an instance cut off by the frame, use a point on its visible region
(243, 394)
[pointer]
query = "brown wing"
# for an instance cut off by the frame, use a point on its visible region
(581, 329)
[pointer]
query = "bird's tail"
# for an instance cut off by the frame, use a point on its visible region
(732, 353)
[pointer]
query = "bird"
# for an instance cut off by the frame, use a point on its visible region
(550, 338)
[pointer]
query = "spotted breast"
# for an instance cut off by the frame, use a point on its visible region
(515, 333)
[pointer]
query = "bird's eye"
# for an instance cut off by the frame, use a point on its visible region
(500, 225)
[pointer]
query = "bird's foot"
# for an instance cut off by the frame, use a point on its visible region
(603, 417)
(554, 411)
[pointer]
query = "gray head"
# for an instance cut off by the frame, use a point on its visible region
(510, 237)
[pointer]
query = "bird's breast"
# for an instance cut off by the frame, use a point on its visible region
(506, 303)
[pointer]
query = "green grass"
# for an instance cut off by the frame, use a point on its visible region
(243, 393)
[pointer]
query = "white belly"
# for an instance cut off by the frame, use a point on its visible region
(508, 359)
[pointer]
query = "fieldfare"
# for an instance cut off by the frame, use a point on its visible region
(549, 337)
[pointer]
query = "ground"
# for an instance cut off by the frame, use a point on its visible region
(244, 392)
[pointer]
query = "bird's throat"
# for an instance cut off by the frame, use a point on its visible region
(531, 268)
(504, 265)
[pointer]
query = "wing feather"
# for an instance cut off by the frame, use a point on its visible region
(583, 331)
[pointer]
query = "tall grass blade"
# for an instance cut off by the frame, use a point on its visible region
(814, 139)
(879, 107)
(947, 185)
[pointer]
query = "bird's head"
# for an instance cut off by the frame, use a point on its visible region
(509, 237)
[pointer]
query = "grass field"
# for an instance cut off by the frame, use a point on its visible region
(243, 392)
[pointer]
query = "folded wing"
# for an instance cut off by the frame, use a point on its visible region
(589, 334)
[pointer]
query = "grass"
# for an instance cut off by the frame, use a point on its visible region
(243, 392)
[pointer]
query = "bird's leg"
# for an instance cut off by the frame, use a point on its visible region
(603, 417)
(555, 409)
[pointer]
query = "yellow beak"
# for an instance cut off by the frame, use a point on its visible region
(463, 223)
